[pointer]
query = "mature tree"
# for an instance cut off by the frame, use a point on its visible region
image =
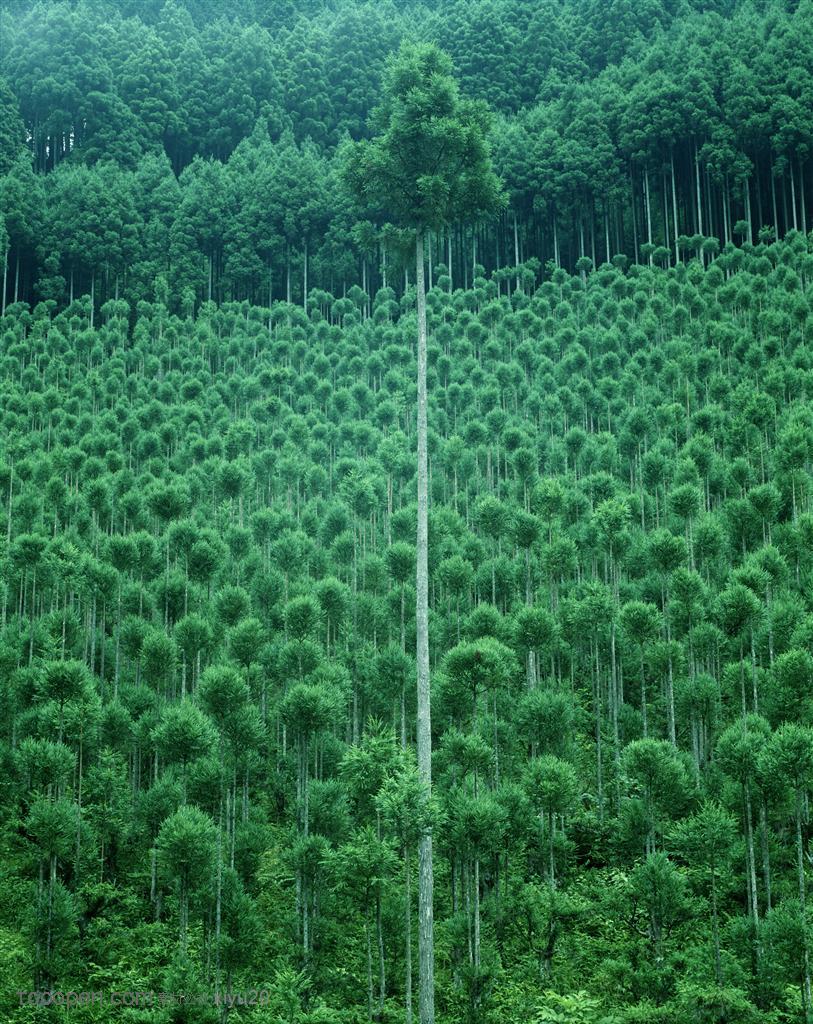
(427, 167)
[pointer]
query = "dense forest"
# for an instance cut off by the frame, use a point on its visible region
(198, 139)
(406, 512)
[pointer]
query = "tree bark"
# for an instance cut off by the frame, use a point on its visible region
(5, 282)
(407, 936)
(800, 867)
(697, 183)
(648, 211)
(674, 201)
(305, 278)
(426, 954)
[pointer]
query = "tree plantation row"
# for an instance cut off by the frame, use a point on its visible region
(208, 634)
(145, 139)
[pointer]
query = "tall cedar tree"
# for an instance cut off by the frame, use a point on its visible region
(428, 166)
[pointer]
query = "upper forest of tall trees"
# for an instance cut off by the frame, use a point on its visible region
(198, 139)
(406, 512)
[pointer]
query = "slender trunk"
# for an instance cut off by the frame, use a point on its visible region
(476, 911)
(800, 867)
(305, 278)
(219, 896)
(5, 282)
(407, 935)
(643, 696)
(648, 210)
(674, 200)
(369, 946)
(718, 974)
(426, 953)
(382, 977)
(766, 853)
(697, 184)
(752, 867)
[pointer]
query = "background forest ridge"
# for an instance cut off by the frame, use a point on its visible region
(170, 139)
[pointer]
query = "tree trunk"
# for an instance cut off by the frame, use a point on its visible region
(382, 977)
(674, 201)
(697, 184)
(648, 211)
(407, 935)
(800, 867)
(426, 953)
(476, 911)
(752, 866)
(369, 946)
(5, 282)
(305, 278)
(766, 853)
(643, 696)
(718, 976)
(219, 897)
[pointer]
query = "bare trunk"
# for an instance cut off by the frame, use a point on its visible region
(674, 201)
(800, 867)
(648, 211)
(5, 282)
(305, 279)
(407, 936)
(426, 953)
(697, 183)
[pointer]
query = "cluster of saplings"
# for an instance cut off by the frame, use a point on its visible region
(208, 634)
(202, 140)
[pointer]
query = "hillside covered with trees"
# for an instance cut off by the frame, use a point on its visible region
(324, 373)
(198, 139)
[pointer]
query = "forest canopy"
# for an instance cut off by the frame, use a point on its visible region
(198, 139)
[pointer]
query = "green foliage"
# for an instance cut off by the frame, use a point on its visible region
(208, 509)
